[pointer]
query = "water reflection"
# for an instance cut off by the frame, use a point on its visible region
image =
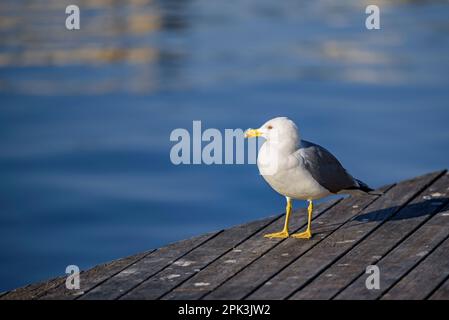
(155, 45)
(115, 37)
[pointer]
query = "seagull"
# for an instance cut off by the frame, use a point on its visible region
(299, 169)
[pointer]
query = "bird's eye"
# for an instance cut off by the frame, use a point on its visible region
(270, 127)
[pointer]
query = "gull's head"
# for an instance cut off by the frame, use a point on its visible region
(280, 129)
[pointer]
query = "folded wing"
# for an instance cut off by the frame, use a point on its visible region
(326, 169)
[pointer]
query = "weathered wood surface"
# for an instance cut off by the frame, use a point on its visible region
(316, 260)
(425, 277)
(404, 232)
(153, 285)
(374, 247)
(260, 272)
(93, 277)
(441, 293)
(240, 257)
(402, 259)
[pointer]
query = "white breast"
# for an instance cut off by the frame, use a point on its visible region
(287, 176)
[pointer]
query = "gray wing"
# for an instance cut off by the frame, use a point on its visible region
(325, 168)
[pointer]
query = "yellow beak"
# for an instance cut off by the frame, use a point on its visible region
(251, 133)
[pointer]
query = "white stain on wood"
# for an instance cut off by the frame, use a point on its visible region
(231, 261)
(201, 284)
(345, 241)
(343, 264)
(422, 253)
(183, 263)
(171, 276)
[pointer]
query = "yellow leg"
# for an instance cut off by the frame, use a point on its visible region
(308, 233)
(284, 233)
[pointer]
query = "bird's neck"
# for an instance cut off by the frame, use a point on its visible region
(284, 146)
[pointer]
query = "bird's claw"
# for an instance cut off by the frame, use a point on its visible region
(281, 235)
(302, 235)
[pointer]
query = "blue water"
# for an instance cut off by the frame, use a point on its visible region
(85, 116)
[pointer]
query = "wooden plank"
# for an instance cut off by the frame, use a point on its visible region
(402, 259)
(442, 293)
(33, 291)
(130, 276)
(403, 232)
(182, 270)
(287, 251)
(352, 265)
(235, 260)
(424, 278)
(313, 262)
(93, 277)
(140, 281)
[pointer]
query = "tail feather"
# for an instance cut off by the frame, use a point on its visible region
(365, 188)
(362, 187)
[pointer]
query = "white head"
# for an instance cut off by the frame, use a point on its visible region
(281, 131)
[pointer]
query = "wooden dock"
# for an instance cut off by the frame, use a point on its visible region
(404, 232)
